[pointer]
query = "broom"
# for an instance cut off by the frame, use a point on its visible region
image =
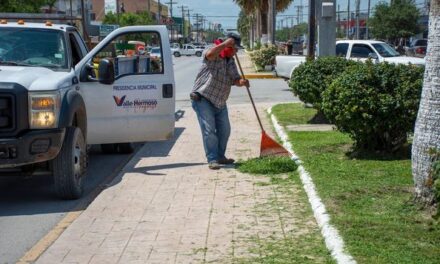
(268, 147)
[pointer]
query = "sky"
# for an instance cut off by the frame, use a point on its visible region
(217, 11)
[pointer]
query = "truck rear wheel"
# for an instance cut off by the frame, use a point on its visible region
(176, 54)
(70, 165)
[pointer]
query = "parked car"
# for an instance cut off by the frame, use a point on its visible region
(188, 50)
(417, 48)
(360, 50)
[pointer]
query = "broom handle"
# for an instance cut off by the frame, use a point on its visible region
(249, 93)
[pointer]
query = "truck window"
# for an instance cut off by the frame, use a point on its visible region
(341, 49)
(76, 50)
(360, 51)
(130, 55)
(33, 48)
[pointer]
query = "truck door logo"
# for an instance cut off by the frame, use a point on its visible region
(119, 100)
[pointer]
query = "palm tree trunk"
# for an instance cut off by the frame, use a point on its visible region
(270, 19)
(427, 129)
(258, 25)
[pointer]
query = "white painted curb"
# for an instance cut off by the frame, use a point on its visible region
(333, 240)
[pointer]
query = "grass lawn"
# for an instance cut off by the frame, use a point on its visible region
(369, 199)
(298, 240)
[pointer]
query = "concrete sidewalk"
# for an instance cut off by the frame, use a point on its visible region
(166, 206)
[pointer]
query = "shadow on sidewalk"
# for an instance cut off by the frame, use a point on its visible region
(146, 170)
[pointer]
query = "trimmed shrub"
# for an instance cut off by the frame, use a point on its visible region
(311, 78)
(376, 104)
(264, 56)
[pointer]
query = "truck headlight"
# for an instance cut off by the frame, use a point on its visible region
(44, 110)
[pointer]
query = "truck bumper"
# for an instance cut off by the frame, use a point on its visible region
(32, 147)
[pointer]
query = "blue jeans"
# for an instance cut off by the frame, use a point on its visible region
(214, 123)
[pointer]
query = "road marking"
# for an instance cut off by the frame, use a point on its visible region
(333, 240)
(41, 246)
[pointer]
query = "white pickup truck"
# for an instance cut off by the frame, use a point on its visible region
(360, 50)
(188, 50)
(56, 97)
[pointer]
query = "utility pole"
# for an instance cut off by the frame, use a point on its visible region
(358, 5)
(170, 3)
(149, 6)
(159, 12)
(367, 31)
(189, 20)
(182, 8)
(348, 20)
(197, 15)
(311, 40)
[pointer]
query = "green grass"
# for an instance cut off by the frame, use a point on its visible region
(293, 114)
(369, 199)
(267, 165)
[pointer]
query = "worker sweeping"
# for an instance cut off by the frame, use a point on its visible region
(209, 95)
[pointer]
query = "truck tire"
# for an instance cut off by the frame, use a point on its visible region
(176, 54)
(70, 165)
(109, 148)
(125, 148)
(199, 54)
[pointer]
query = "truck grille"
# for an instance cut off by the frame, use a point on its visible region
(7, 112)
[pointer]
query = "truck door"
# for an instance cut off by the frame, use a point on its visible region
(140, 104)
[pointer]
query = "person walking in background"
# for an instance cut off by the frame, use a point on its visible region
(209, 95)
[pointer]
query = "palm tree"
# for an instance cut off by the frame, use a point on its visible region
(427, 129)
(260, 9)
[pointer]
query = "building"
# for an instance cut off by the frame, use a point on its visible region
(100, 7)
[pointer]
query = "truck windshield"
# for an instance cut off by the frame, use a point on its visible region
(33, 48)
(385, 50)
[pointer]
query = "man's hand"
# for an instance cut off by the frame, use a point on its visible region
(242, 82)
(230, 42)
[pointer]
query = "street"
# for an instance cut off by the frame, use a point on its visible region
(28, 206)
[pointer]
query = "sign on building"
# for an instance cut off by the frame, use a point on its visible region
(110, 6)
(105, 29)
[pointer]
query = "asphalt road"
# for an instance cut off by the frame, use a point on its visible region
(29, 208)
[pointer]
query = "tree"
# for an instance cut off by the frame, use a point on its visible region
(394, 21)
(427, 128)
(243, 25)
(21, 6)
(260, 9)
(128, 19)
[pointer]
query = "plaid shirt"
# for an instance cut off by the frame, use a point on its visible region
(215, 79)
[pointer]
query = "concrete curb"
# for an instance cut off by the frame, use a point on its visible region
(260, 76)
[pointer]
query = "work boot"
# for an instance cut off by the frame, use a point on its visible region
(226, 161)
(213, 165)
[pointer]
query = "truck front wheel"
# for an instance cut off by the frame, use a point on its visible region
(176, 54)
(199, 54)
(70, 165)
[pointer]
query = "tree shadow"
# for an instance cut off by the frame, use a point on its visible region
(402, 153)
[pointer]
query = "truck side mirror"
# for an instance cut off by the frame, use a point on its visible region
(106, 72)
(373, 56)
